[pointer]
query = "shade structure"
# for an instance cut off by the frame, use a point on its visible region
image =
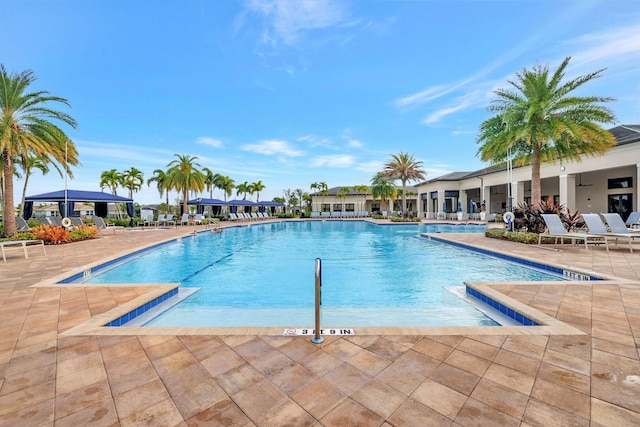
(201, 203)
(99, 198)
(269, 204)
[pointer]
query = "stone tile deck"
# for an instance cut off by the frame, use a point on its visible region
(448, 376)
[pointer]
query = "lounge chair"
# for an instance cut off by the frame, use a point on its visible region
(633, 221)
(168, 220)
(102, 225)
(23, 244)
(76, 222)
(21, 224)
(556, 229)
(160, 219)
(596, 226)
(185, 219)
(617, 225)
(197, 220)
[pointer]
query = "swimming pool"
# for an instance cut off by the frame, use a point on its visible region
(372, 275)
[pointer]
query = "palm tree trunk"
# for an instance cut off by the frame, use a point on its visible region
(404, 198)
(9, 218)
(536, 194)
(24, 193)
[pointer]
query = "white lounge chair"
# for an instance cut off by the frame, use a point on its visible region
(168, 220)
(23, 244)
(197, 220)
(102, 225)
(556, 230)
(596, 226)
(633, 221)
(617, 225)
(185, 219)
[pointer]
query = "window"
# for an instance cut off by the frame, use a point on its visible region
(620, 203)
(620, 183)
(349, 207)
(337, 207)
(326, 207)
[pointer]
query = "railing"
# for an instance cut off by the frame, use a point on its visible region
(317, 338)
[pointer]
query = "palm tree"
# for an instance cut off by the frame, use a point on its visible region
(28, 163)
(26, 129)
(322, 189)
(257, 188)
(185, 176)
(161, 179)
(384, 188)
(111, 179)
(132, 180)
(540, 120)
(226, 184)
(405, 168)
(209, 180)
(362, 190)
(243, 188)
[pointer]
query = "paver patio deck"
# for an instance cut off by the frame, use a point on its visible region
(448, 377)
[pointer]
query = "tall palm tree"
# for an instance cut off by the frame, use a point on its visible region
(244, 189)
(405, 168)
(185, 176)
(383, 187)
(27, 126)
(362, 190)
(161, 178)
(132, 180)
(257, 188)
(111, 179)
(322, 189)
(226, 184)
(209, 180)
(28, 164)
(540, 119)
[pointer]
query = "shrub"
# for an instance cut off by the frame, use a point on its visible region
(400, 219)
(51, 234)
(519, 236)
(83, 233)
(528, 217)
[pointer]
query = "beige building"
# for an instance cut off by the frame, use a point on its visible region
(607, 183)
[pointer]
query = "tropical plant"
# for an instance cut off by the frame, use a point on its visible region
(27, 128)
(404, 167)
(226, 184)
(244, 189)
(132, 180)
(540, 120)
(383, 187)
(209, 180)
(161, 179)
(28, 164)
(111, 179)
(322, 190)
(184, 176)
(51, 234)
(362, 190)
(258, 186)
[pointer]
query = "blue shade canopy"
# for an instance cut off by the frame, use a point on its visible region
(71, 196)
(208, 202)
(267, 203)
(241, 203)
(78, 196)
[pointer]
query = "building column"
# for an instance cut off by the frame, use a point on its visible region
(486, 197)
(464, 201)
(517, 193)
(440, 201)
(636, 202)
(567, 184)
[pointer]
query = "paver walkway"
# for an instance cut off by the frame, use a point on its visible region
(47, 378)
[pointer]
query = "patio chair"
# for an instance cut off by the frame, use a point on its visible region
(596, 226)
(168, 220)
(617, 225)
(197, 220)
(185, 219)
(21, 224)
(633, 222)
(76, 222)
(556, 229)
(102, 225)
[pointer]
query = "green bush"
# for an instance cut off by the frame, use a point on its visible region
(519, 236)
(400, 219)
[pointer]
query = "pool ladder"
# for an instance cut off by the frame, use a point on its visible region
(317, 338)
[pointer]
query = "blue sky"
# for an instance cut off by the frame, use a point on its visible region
(294, 92)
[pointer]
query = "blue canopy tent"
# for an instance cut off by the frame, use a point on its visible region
(201, 203)
(98, 198)
(272, 205)
(247, 204)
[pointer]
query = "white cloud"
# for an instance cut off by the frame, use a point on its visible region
(271, 147)
(472, 99)
(371, 167)
(315, 141)
(354, 143)
(287, 21)
(335, 161)
(212, 142)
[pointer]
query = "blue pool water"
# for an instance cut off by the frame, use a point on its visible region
(372, 275)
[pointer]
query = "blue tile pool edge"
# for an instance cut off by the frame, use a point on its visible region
(143, 308)
(509, 312)
(568, 274)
